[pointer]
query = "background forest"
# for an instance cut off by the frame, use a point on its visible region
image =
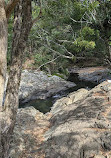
(67, 32)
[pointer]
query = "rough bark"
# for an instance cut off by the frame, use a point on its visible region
(10, 7)
(3, 49)
(21, 30)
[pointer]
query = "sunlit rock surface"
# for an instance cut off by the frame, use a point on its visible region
(78, 126)
(81, 129)
(92, 74)
(29, 133)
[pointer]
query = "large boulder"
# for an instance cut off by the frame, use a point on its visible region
(92, 74)
(78, 126)
(38, 85)
(81, 127)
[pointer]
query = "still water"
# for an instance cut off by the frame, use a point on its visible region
(45, 105)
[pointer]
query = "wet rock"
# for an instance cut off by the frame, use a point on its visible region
(38, 85)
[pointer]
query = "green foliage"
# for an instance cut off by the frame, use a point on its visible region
(83, 45)
(92, 6)
(64, 74)
(41, 59)
(35, 10)
(85, 41)
(69, 27)
(87, 32)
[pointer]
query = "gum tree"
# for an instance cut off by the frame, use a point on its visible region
(9, 102)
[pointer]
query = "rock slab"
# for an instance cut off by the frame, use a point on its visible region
(81, 126)
(92, 74)
(29, 133)
(38, 85)
(78, 126)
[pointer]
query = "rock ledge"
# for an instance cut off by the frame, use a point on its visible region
(38, 85)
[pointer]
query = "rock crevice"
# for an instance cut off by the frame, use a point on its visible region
(78, 126)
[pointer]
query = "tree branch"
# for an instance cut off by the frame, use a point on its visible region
(62, 55)
(80, 21)
(10, 7)
(48, 62)
(38, 17)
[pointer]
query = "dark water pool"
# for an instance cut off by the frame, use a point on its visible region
(45, 105)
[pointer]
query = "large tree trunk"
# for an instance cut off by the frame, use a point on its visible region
(3, 49)
(22, 28)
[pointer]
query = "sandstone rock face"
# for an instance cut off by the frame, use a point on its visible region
(28, 133)
(78, 126)
(37, 85)
(81, 129)
(65, 101)
(92, 74)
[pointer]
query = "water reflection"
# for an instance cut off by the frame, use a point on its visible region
(45, 105)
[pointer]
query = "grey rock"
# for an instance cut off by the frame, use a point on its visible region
(38, 85)
(77, 129)
(28, 132)
(92, 74)
(78, 126)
